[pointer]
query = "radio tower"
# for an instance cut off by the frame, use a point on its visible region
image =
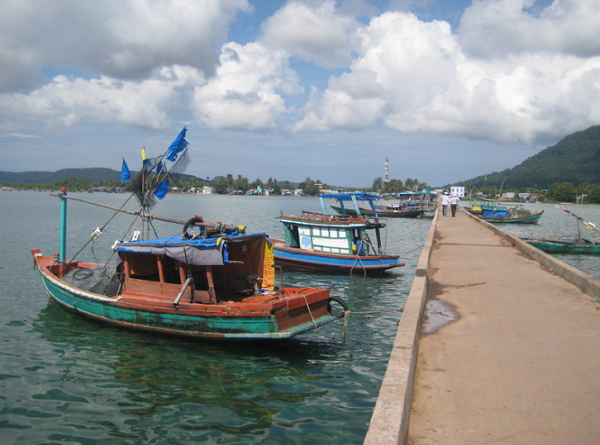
(387, 170)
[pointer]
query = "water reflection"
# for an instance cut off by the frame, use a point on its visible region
(199, 390)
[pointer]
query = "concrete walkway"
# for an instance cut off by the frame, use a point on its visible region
(509, 351)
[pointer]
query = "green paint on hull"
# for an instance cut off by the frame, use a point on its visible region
(232, 327)
(566, 247)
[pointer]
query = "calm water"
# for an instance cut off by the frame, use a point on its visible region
(558, 224)
(65, 380)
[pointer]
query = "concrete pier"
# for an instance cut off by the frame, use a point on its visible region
(499, 343)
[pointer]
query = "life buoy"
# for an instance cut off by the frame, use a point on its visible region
(333, 313)
(191, 223)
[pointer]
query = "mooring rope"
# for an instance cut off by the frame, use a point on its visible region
(14, 265)
(348, 312)
(310, 312)
(409, 251)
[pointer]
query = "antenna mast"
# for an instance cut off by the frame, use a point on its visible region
(387, 170)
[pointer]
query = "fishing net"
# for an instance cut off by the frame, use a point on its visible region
(98, 280)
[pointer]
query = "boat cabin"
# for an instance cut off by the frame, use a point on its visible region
(343, 236)
(198, 270)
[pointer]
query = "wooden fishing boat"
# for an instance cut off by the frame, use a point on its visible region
(424, 200)
(525, 219)
(383, 212)
(549, 245)
(334, 243)
(494, 213)
(578, 245)
(212, 281)
(474, 209)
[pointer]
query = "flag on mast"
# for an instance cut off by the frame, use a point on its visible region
(178, 145)
(125, 173)
(162, 189)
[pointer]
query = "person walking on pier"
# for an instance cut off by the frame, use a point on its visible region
(454, 204)
(445, 202)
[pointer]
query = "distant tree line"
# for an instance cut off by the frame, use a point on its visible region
(557, 192)
(584, 192)
(220, 184)
(397, 185)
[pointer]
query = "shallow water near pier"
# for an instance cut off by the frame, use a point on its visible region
(64, 379)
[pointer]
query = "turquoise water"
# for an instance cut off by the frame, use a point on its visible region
(66, 380)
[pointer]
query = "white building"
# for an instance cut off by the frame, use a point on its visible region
(458, 191)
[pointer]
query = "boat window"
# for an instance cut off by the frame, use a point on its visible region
(291, 235)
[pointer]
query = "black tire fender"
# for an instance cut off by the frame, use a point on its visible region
(191, 223)
(339, 301)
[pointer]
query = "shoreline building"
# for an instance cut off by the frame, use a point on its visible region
(458, 191)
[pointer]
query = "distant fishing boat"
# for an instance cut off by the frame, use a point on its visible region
(578, 245)
(212, 281)
(382, 212)
(335, 243)
(425, 200)
(493, 212)
(552, 245)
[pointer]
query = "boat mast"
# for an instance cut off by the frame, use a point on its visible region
(63, 225)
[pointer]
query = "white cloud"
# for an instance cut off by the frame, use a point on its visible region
(315, 32)
(509, 75)
(246, 92)
(403, 63)
(125, 39)
(414, 76)
(19, 136)
(495, 28)
(65, 101)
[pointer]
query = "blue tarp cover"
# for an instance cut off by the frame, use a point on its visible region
(359, 196)
(202, 251)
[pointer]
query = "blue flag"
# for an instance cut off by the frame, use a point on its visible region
(178, 145)
(162, 189)
(125, 174)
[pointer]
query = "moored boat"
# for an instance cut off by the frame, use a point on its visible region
(574, 246)
(334, 243)
(425, 200)
(212, 281)
(383, 212)
(494, 213)
(577, 245)
(474, 209)
(532, 218)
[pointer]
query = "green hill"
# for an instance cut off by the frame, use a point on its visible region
(95, 175)
(575, 159)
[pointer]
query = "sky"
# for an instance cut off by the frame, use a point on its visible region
(445, 89)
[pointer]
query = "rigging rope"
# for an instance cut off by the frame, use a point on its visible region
(92, 238)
